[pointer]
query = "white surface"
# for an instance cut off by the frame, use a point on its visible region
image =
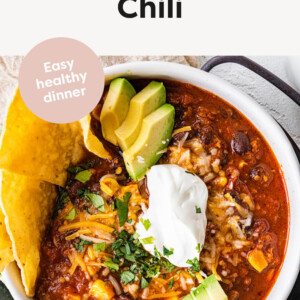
(175, 224)
(282, 108)
(232, 26)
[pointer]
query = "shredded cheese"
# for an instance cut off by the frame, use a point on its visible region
(163, 295)
(77, 234)
(182, 129)
(83, 224)
(102, 216)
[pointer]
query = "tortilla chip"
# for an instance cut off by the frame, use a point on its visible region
(36, 148)
(6, 253)
(92, 143)
(27, 204)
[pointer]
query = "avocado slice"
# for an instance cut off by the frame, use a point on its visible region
(213, 288)
(154, 136)
(115, 107)
(141, 105)
(188, 297)
(200, 293)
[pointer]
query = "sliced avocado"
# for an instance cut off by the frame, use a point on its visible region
(115, 107)
(200, 293)
(214, 289)
(154, 136)
(141, 105)
(188, 297)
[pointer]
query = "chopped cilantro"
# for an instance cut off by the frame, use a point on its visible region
(190, 173)
(156, 253)
(74, 169)
(195, 266)
(199, 248)
(112, 206)
(127, 277)
(71, 215)
(79, 246)
(129, 221)
(135, 235)
(122, 207)
(167, 265)
(111, 265)
(144, 283)
(99, 247)
(168, 252)
(153, 271)
(62, 199)
(83, 176)
(83, 192)
(148, 240)
(198, 210)
(146, 223)
(171, 283)
(97, 201)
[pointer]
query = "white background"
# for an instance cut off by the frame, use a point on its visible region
(257, 27)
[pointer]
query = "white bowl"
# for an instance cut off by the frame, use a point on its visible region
(263, 122)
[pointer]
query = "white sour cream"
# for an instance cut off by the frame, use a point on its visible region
(174, 196)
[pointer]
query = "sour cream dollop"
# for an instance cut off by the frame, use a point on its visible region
(176, 212)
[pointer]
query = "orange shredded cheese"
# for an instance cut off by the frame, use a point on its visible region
(77, 234)
(164, 295)
(102, 216)
(83, 224)
(182, 129)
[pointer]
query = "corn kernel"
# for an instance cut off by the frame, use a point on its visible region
(91, 253)
(242, 164)
(74, 297)
(109, 186)
(101, 290)
(221, 181)
(91, 271)
(118, 170)
(257, 260)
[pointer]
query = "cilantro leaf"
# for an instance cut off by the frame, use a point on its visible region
(156, 253)
(190, 173)
(97, 201)
(122, 207)
(198, 210)
(71, 215)
(127, 277)
(83, 176)
(148, 240)
(79, 246)
(74, 169)
(199, 248)
(144, 283)
(146, 223)
(171, 283)
(195, 266)
(153, 271)
(168, 252)
(129, 221)
(99, 247)
(111, 265)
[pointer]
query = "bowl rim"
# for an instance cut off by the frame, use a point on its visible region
(268, 127)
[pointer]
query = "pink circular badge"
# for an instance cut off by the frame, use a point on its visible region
(61, 80)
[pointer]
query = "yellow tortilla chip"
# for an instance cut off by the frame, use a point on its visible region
(6, 254)
(27, 204)
(36, 148)
(92, 143)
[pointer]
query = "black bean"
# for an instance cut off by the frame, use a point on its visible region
(240, 143)
(206, 135)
